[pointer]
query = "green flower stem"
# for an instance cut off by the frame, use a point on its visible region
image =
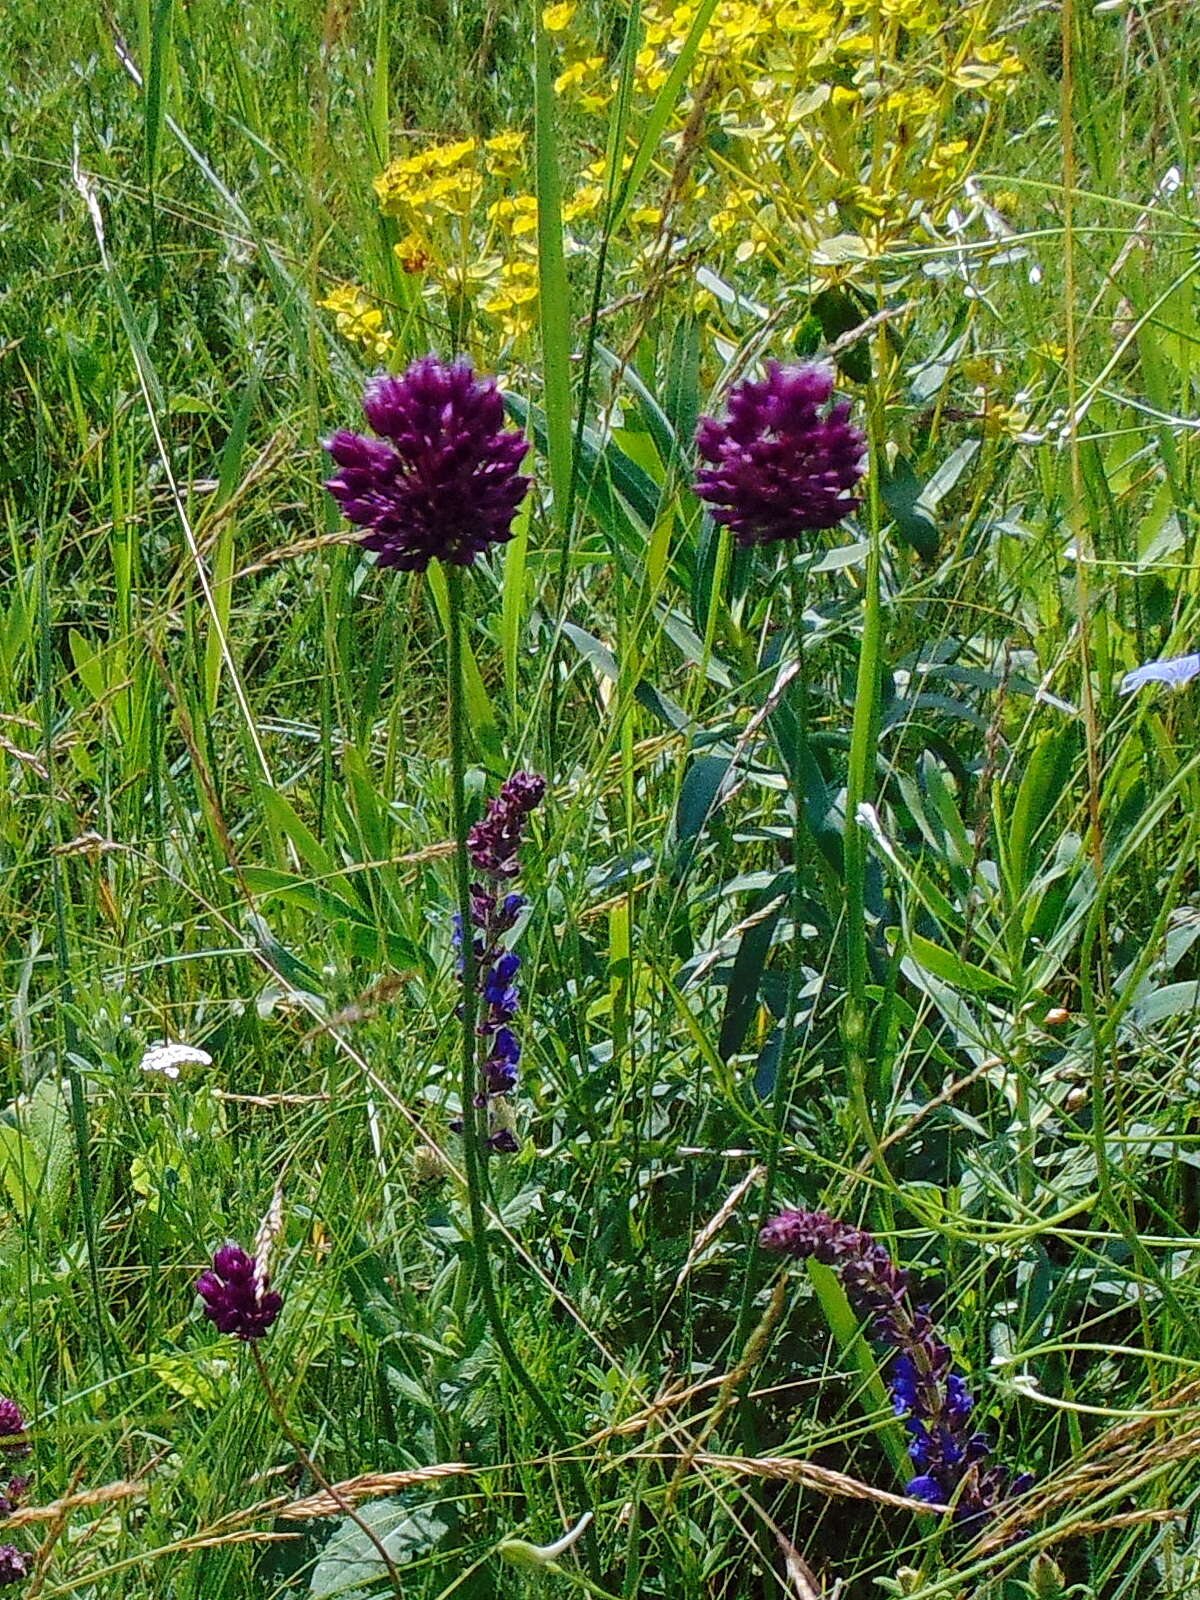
(473, 1130)
(781, 1098)
(863, 1079)
(314, 1471)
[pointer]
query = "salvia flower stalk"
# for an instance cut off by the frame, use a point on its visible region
(951, 1456)
(237, 1296)
(785, 461)
(492, 845)
(440, 482)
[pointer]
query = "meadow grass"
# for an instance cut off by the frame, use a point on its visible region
(858, 884)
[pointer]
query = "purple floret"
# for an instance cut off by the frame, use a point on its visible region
(441, 482)
(234, 1300)
(780, 465)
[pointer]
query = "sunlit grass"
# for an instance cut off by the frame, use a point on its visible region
(226, 811)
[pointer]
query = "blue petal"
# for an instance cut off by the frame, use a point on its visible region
(1178, 671)
(924, 1488)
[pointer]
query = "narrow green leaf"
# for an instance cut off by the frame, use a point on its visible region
(554, 292)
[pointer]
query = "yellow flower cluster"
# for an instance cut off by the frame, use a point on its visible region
(358, 320)
(835, 119)
(465, 213)
(811, 135)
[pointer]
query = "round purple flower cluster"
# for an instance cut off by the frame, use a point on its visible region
(12, 1428)
(779, 465)
(14, 1564)
(235, 1298)
(441, 482)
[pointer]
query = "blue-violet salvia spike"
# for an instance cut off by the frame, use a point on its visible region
(784, 461)
(493, 845)
(932, 1398)
(236, 1297)
(441, 482)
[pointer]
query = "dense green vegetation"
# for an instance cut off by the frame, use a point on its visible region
(858, 884)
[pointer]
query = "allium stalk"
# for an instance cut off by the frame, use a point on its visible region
(926, 1392)
(785, 461)
(492, 846)
(440, 482)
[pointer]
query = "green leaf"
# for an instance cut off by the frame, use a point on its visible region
(350, 1566)
(952, 969)
(554, 296)
(741, 997)
(901, 490)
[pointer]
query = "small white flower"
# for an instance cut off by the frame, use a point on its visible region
(168, 1058)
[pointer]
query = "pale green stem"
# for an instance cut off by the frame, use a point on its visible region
(474, 1133)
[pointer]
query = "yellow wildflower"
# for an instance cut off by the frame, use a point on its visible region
(576, 74)
(413, 252)
(504, 153)
(516, 214)
(512, 299)
(583, 202)
(358, 320)
(557, 17)
(516, 286)
(946, 157)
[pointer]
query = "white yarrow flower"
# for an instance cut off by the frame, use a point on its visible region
(170, 1057)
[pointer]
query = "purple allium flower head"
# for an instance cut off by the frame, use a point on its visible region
(14, 1564)
(780, 465)
(13, 1426)
(441, 483)
(234, 1297)
(13, 1494)
(931, 1397)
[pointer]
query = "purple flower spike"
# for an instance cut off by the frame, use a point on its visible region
(235, 1299)
(441, 483)
(780, 466)
(14, 1564)
(494, 844)
(13, 1427)
(931, 1397)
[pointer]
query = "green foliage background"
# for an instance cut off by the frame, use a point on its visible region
(224, 818)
